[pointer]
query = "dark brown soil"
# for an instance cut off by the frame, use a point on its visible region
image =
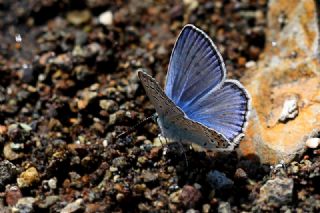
(70, 86)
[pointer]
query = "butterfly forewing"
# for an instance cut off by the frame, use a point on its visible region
(195, 67)
(163, 105)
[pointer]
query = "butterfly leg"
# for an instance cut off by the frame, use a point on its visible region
(184, 153)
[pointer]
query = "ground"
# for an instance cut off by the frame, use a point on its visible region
(70, 85)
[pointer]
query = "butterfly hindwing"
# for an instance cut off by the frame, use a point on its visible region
(225, 110)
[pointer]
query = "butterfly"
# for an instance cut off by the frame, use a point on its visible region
(198, 105)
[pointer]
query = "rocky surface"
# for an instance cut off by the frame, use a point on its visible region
(68, 86)
(284, 84)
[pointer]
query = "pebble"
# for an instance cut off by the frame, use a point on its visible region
(78, 17)
(49, 201)
(218, 180)
(250, 64)
(52, 183)
(106, 18)
(13, 194)
(290, 110)
(75, 206)
(160, 141)
(240, 174)
(313, 143)
(113, 169)
(139, 188)
(120, 197)
(158, 204)
(224, 207)
(192, 211)
(8, 171)
(206, 208)
(25, 205)
(175, 196)
(109, 105)
(28, 178)
(149, 176)
(190, 196)
(142, 160)
(120, 162)
(19, 132)
(276, 192)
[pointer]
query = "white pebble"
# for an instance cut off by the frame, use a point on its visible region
(52, 183)
(313, 143)
(106, 18)
(105, 142)
(289, 110)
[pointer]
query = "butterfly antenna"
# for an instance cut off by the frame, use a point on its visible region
(135, 127)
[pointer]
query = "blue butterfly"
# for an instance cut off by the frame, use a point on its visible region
(199, 105)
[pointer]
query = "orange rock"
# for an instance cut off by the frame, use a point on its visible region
(284, 85)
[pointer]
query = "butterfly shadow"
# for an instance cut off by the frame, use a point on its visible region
(240, 170)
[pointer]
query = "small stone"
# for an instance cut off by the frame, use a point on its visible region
(192, 211)
(28, 178)
(25, 127)
(224, 207)
(8, 171)
(139, 188)
(49, 201)
(142, 160)
(120, 162)
(109, 105)
(206, 208)
(73, 207)
(277, 192)
(295, 169)
(52, 183)
(13, 194)
(190, 196)
(17, 146)
(105, 142)
(120, 197)
(158, 204)
(78, 17)
(19, 133)
(218, 180)
(289, 110)
(25, 204)
(106, 18)
(175, 196)
(250, 64)
(113, 169)
(313, 143)
(154, 152)
(3, 129)
(115, 117)
(149, 176)
(240, 174)
(160, 141)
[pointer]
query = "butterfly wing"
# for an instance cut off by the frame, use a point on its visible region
(195, 68)
(224, 110)
(173, 122)
(163, 105)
